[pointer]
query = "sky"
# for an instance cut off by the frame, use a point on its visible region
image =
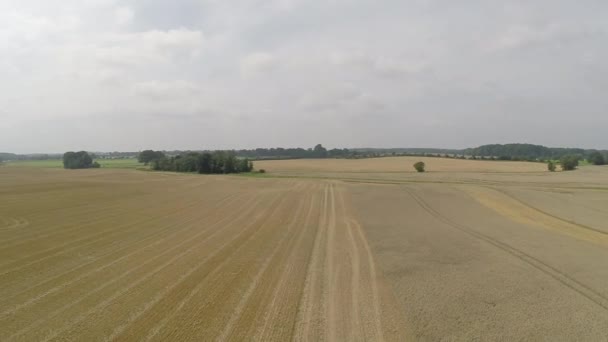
(111, 75)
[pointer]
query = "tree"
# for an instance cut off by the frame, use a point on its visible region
(186, 163)
(163, 164)
(596, 158)
(148, 156)
(230, 163)
(569, 162)
(244, 165)
(319, 151)
(419, 166)
(77, 160)
(551, 166)
(205, 163)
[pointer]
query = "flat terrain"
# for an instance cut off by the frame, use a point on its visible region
(395, 165)
(126, 255)
(127, 163)
(471, 251)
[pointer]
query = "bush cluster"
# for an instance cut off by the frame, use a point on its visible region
(569, 162)
(217, 162)
(419, 166)
(78, 160)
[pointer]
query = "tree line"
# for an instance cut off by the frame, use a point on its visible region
(293, 153)
(217, 162)
(530, 152)
(570, 162)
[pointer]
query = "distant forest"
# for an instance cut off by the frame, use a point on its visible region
(521, 152)
(529, 152)
(518, 152)
(35, 156)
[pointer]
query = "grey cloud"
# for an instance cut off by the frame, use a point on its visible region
(298, 72)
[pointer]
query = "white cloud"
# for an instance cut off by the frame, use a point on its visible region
(123, 15)
(259, 62)
(169, 90)
(379, 65)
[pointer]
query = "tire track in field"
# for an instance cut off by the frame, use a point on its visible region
(113, 251)
(246, 234)
(114, 234)
(270, 329)
(52, 231)
(83, 216)
(255, 282)
(177, 212)
(367, 319)
(175, 308)
(309, 323)
(519, 211)
(255, 225)
(578, 225)
(33, 299)
(342, 300)
(128, 272)
(355, 284)
(14, 223)
(331, 275)
(373, 274)
(81, 266)
(209, 281)
(58, 230)
(273, 301)
(561, 277)
(86, 217)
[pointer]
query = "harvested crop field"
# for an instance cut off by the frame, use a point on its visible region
(395, 164)
(126, 255)
(465, 255)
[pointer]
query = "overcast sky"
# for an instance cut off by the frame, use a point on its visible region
(106, 75)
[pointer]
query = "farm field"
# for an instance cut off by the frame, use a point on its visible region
(57, 163)
(395, 165)
(472, 250)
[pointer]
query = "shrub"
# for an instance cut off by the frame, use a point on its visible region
(262, 171)
(551, 166)
(419, 166)
(569, 162)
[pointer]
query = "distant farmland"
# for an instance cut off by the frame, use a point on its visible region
(326, 250)
(128, 163)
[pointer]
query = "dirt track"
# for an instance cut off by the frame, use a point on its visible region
(102, 255)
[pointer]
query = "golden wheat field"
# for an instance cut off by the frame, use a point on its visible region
(325, 251)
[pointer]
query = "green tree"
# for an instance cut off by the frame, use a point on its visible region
(551, 166)
(569, 162)
(205, 163)
(148, 156)
(596, 158)
(319, 151)
(419, 166)
(77, 160)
